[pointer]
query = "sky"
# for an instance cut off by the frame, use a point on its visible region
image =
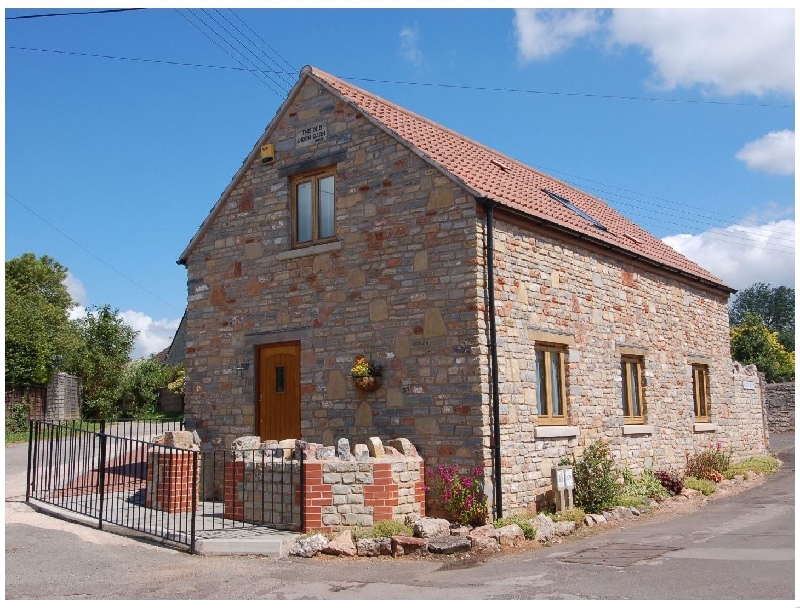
(122, 129)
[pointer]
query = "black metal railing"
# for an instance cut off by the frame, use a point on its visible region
(165, 492)
(261, 487)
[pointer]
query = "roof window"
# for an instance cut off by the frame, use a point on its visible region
(573, 208)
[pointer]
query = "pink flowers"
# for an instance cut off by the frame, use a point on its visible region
(462, 495)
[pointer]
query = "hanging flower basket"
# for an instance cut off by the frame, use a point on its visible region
(366, 376)
(367, 384)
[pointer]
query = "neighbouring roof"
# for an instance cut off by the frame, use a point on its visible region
(487, 173)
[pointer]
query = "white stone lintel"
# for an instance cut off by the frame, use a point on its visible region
(546, 432)
(705, 427)
(637, 429)
(313, 250)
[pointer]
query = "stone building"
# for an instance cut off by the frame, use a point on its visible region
(357, 228)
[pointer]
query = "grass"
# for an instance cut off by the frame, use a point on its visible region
(630, 500)
(382, 529)
(13, 437)
(523, 521)
(574, 514)
(754, 464)
(701, 485)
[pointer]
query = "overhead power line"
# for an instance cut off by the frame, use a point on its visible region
(94, 255)
(294, 72)
(43, 15)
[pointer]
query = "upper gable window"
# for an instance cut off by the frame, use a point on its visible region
(313, 208)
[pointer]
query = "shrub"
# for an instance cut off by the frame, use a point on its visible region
(701, 485)
(671, 480)
(754, 464)
(574, 514)
(461, 494)
(391, 527)
(17, 422)
(523, 521)
(709, 464)
(596, 485)
(644, 486)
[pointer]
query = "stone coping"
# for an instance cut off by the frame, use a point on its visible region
(637, 429)
(547, 432)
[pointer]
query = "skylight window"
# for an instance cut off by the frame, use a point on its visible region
(574, 209)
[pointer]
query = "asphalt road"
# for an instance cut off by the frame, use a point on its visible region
(738, 547)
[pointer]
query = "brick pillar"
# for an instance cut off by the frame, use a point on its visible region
(233, 498)
(169, 481)
(419, 490)
(382, 494)
(318, 495)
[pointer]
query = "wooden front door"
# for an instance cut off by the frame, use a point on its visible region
(278, 391)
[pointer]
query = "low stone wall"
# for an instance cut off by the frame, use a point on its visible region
(779, 399)
(338, 488)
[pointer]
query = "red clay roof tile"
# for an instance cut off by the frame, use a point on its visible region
(511, 183)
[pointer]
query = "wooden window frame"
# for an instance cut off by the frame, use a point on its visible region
(314, 178)
(626, 363)
(549, 351)
(701, 393)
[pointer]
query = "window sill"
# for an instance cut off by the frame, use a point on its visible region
(312, 250)
(705, 427)
(546, 432)
(637, 429)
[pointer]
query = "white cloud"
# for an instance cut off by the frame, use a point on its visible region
(730, 51)
(408, 44)
(742, 255)
(773, 153)
(154, 335)
(542, 33)
(77, 292)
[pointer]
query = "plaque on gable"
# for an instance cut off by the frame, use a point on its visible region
(312, 134)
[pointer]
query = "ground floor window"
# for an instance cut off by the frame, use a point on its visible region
(632, 395)
(550, 389)
(700, 389)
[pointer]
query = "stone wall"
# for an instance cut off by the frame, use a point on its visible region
(779, 398)
(399, 285)
(597, 307)
(339, 488)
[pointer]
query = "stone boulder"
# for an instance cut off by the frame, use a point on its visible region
(508, 536)
(564, 528)
(309, 547)
(286, 448)
(341, 545)
(177, 439)
(449, 544)
(326, 453)
(244, 447)
(429, 527)
(408, 545)
(483, 543)
(343, 449)
(375, 446)
(372, 547)
(361, 451)
(404, 446)
(545, 528)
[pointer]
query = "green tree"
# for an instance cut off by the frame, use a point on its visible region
(140, 384)
(775, 306)
(39, 335)
(106, 350)
(754, 343)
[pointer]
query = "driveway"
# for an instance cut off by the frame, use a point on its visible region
(738, 547)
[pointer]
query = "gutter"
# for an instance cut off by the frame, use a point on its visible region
(497, 465)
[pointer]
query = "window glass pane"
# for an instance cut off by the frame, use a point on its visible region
(280, 379)
(626, 406)
(635, 406)
(304, 212)
(555, 383)
(326, 207)
(541, 397)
